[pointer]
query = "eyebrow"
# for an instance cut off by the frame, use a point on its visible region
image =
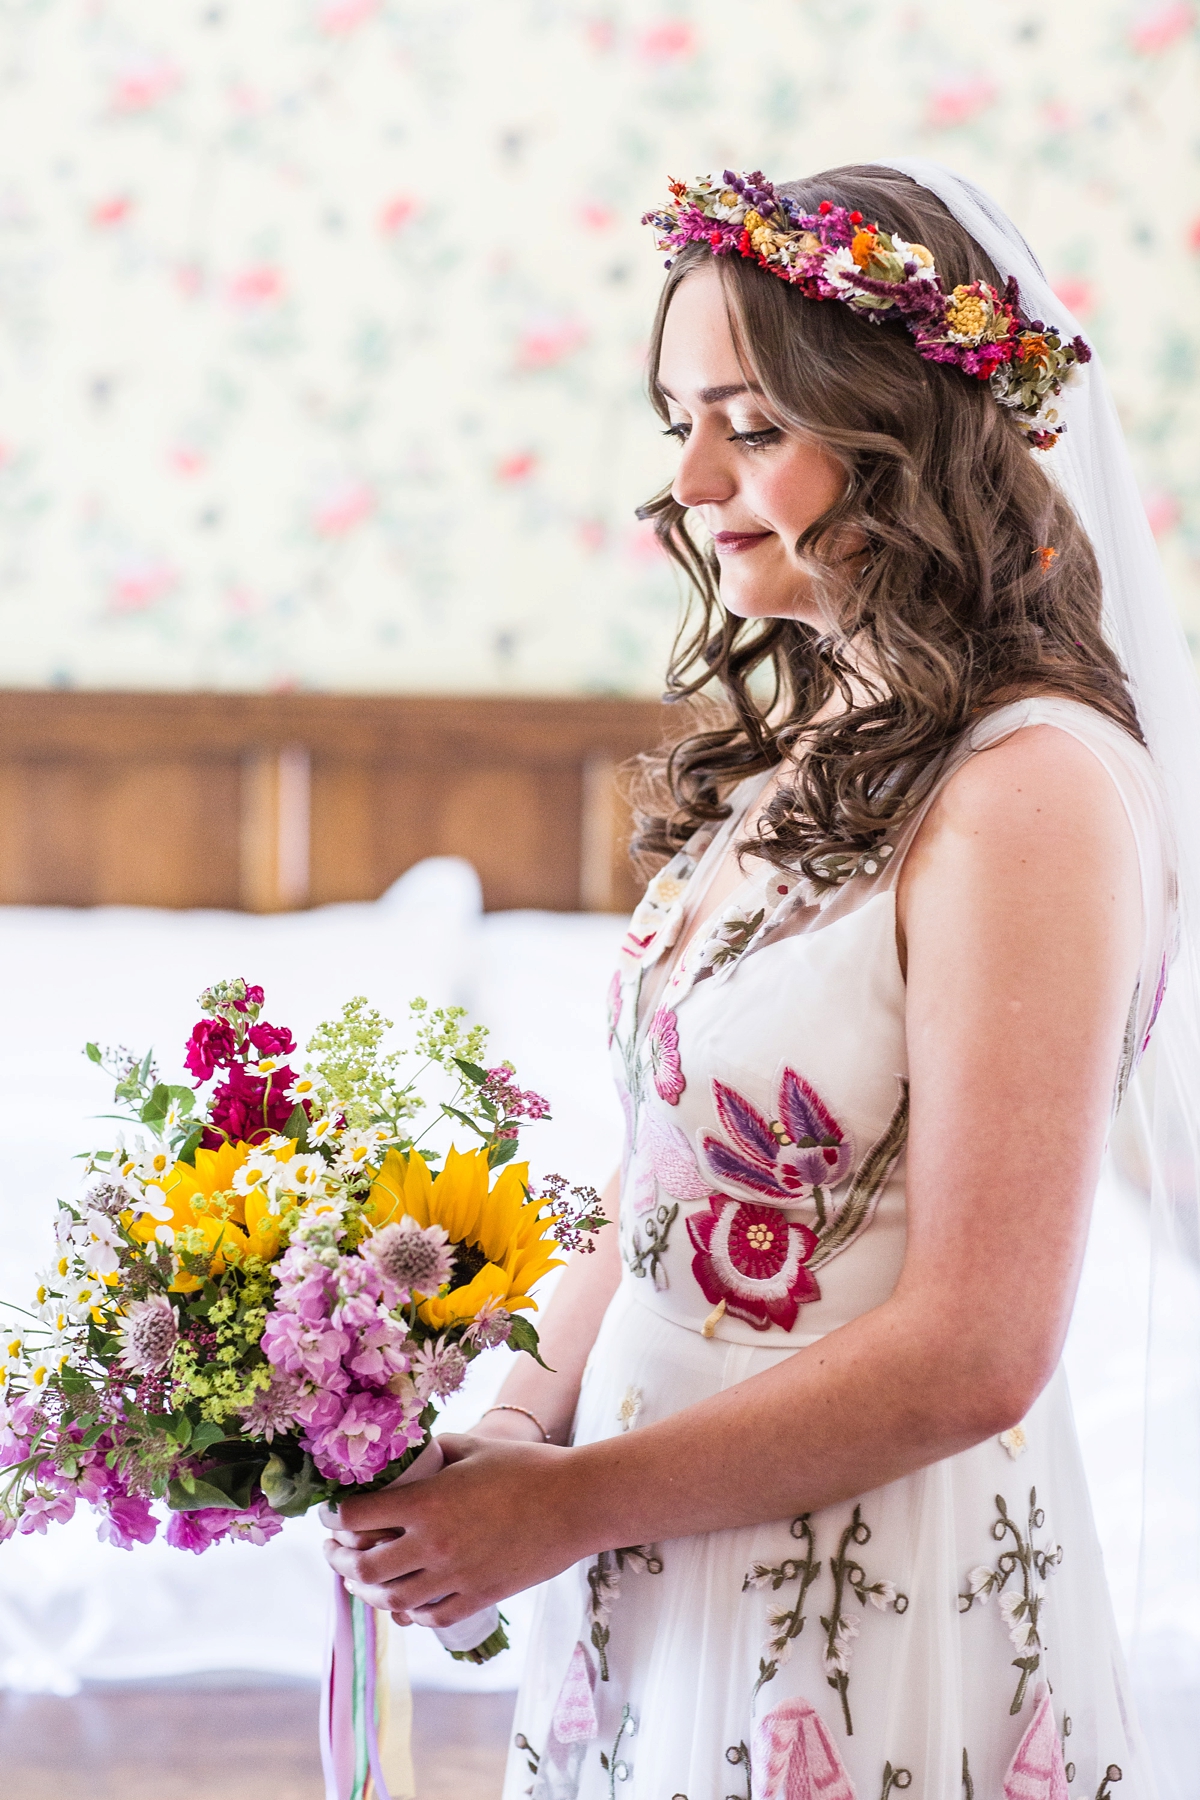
(710, 396)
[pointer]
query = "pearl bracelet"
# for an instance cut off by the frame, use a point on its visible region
(503, 1406)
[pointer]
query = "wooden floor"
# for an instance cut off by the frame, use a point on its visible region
(226, 1740)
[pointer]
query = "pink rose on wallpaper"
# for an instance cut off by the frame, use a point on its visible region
(396, 213)
(1076, 294)
(256, 286)
(141, 82)
(1162, 510)
(140, 582)
(1159, 27)
(669, 41)
(341, 505)
(958, 102)
(543, 346)
(114, 210)
(337, 17)
(517, 467)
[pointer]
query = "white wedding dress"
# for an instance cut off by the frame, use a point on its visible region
(949, 1633)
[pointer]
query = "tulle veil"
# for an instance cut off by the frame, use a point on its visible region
(1162, 1106)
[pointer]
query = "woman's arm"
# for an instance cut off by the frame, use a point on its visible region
(1020, 920)
(566, 1333)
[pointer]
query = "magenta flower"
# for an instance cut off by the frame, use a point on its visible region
(245, 1107)
(211, 1046)
(271, 1040)
(43, 1510)
(664, 1056)
(371, 1432)
(314, 1351)
(753, 1259)
(784, 1158)
(126, 1522)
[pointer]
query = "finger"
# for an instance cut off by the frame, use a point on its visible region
(375, 1567)
(456, 1446)
(387, 1510)
(364, 1540)
(447, 1611)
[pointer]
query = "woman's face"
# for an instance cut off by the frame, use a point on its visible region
(756, 486)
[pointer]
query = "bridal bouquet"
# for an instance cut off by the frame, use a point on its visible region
(263, 1294)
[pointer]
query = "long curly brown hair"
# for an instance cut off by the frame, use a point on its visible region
(951, 604)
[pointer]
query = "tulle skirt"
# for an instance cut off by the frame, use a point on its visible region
(949, 1633)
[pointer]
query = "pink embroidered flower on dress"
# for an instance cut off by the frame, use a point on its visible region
(797, 1757)
(664, 1056)
(784, 1158)
(754, 1259)
(614, 1005)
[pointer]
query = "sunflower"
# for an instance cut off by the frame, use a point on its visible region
(201, 1199)
(501, 1247)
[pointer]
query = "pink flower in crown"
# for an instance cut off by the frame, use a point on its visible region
(754, 1259)
(784, 1158)
(664, 1056)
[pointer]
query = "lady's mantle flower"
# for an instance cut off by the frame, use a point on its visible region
(418, 1259)
(669, 1080)
(150, 1333)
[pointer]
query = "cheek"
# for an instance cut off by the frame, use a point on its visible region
(791, 492)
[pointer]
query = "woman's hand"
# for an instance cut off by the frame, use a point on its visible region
(496, 1520)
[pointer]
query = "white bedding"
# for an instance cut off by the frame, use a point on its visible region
(73, 1609)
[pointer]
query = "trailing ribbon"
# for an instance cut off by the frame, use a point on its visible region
(352, 1703)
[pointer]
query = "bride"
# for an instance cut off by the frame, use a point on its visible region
(801, 1478)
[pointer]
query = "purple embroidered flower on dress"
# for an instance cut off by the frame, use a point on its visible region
(664, 1056)
(753, 1259)
(784, 1158)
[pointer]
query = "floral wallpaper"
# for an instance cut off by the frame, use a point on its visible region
(322, 321)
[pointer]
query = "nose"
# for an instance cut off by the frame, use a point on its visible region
(705, 476)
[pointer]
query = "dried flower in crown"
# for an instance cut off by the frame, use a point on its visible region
(834, 254)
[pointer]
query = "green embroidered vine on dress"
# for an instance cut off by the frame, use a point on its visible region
(1021, 1612)
(604, 1585)
(616, 1770)
(842, 1628)
(787, 1623)
(872, 1173)
(648, 1251)
(894, 1778)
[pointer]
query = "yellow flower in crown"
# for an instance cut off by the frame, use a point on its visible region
(501, 1247)
(205, 1211)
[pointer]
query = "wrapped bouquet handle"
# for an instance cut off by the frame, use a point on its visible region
(355, 1665)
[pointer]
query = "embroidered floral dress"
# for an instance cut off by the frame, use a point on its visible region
(949, 1633)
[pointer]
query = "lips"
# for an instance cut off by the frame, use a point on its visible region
(729, 543)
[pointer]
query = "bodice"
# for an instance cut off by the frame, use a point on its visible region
(764, 1073)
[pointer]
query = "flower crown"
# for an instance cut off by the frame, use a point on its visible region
(833, 255)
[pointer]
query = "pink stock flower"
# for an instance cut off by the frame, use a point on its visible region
(370, 1433)
(314, 1351)
(211, 1046)
(43, 1510)
(199, 1531)
(669, 1080)
(126, 1522)
(381, 1351)
(245, 1107)
(271, 1040)
(315, 1409)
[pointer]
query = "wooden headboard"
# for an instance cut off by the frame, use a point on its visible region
(271, 802)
